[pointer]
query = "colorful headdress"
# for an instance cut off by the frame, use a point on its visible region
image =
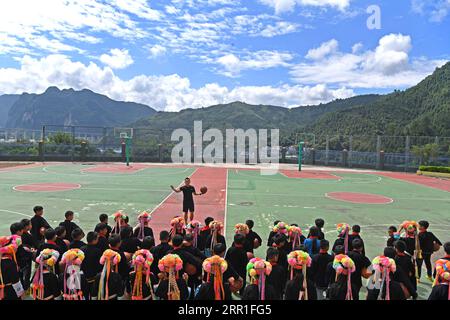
(143, 218)
(344, 265)
(294, 234)
(409, 226)
(300, 260)
(171, 264)
(109, 259)
(142, 261)
(216, 266)
(257, 270)
(343, 230)
(119, 216)
(216, 228)
(443, 273)
(383, 266)
(281, 227)
(72, 276)
(241, 228)
(194, 228)
(8, 247)
(177, 225)
(47, 258)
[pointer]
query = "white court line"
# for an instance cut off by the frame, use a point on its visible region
(226, 206)
(337, 199)
(170, 194)
(15, 212)
(331, 174)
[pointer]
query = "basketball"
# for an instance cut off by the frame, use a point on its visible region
(203, 190)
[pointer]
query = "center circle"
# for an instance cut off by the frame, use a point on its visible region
(356, 197)
(47, 187)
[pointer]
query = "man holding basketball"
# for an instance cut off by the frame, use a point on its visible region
(188, 199)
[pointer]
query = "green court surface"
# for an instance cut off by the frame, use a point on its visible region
(248, 195)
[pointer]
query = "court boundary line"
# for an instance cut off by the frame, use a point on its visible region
(282, 172)
(226, 206)
(15, 212)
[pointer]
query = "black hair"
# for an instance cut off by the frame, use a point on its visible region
(339, 249)
(389, 252)
(324, 244)
(319, 223)
(447, 247)
(164, 235)
(100, 226)
(37, 208)
(126, 232)
(276, 222)
(25, 222)
(16, 227)
(294, 224)
(314, 232)
(400, 245)
(250, 223)
(50, 234)
(177, 240)
(357, 244)
(103, 217)
(424, 223)
(393, 228)
(126, 219)
(279, 238)
(114, 240)
(272, 253)
(219, 248)
(208, 220)
(356, 228)
(189, 237)
(239, 238)
(68, 214)
(60, 230)
(91, 236)
(148, 243)
(76, 233)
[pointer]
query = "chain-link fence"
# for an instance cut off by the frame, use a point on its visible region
(81, 143)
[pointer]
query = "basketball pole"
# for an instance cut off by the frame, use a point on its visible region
(127, 150)
(300, 155)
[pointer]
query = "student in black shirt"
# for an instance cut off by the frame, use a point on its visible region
(102, 231)
(38, 225)
(280, 242)
(252, 236)
(50, 243)
(188, 199)
(141, 278)
(188, 245)
(427, 241)
(77, 243)
(391, 232)
(361, 265)
(148, 243)
(215, 237)
(404, 261)
(204, 233)
(172, 284)
(10, 277)
(278, 277)
(61, 242)
(143, 229)
(69, 225)
(230, 276)
(258, 269)
(72, 281)
(129, 244)
(339, 290)
(177, 227)
(441, 289)
(319, 223)
(300, 286)
(236, 257)
(108, 284)
(91, 264)
(215, 288)
(160, 250)
(272, 234)
(104, 219)
(318, 270)
(45, 284)
(123, 267)
(356, 230)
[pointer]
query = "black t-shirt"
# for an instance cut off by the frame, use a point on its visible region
(352, 237)
(318, 270)
(361, 262)
(62, 245)
(338, 289)
(38, 222)
(439, 292)
(51, 285)
(158, 252)
(220, 239)
(148, 232)
(130, 245)
(427, 240)
(102, 244)
(188, 192)
(115, 286)
(293, 287)
(163, 288)
(277, 279)
(251, 236)
(251, 292)
(410, 244)
(201, 240)
(10, 276)
(124, 267)
(146, 291)
(70, 226)
(27, 240)
(206, 291)
(237, 258)
(91, 264)
(76, 244)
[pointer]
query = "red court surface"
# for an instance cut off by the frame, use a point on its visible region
(47, 187)
(213, 203)
(363, 198)
(309, 175)
(11, 166)
(436, 183)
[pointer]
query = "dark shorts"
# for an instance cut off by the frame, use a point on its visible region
(188, 206)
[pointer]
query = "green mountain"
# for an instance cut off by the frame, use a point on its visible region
(6, 102)
(69, 107)
(423, 110)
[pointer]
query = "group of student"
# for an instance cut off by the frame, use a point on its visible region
(192, 262)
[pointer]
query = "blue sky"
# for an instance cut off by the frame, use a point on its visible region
(174, 54)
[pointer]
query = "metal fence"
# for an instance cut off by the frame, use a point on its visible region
(81, 143)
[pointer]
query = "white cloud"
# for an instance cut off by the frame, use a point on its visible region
(282, 6)
(436, 10)
(280, 28)
(170, 93)
(233, 65)
(138, 7)
(117, 59)
(157, 50)
(387, 66)
(324, 50)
